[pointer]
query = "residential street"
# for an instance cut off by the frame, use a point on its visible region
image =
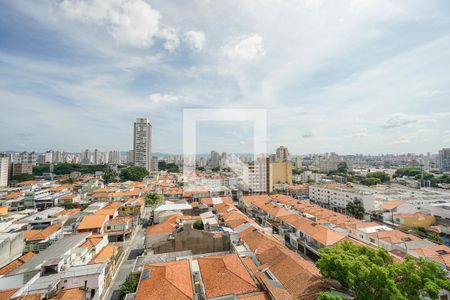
(133, 248)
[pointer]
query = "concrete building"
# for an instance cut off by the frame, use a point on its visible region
(96, 157)
(142, 143)
(21, 168)
(4, 165)
(154, 163)
(215, 159)
(280, 172)
(257, 176)
(114, 157)
(282, 154)
(86, 157)
(444, 160)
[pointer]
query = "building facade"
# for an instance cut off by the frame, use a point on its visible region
(444, 160)
(142, 143)
(4, 164)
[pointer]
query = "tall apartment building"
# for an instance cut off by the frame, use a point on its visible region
(28, 157)
(114, 157)
(444, 160)
(86, 157)
(154, 163)
(257, 175)
(282, 154)
(142, 143)
(215, 159)
(4, 165)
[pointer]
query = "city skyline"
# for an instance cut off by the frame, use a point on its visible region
(364, 77)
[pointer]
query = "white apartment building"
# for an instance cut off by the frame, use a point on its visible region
(142, 143)
(256, 176)
(114, 157)
(4, 164)
(86, 157)
(336, 197)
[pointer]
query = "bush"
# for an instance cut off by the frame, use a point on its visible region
(199, 224)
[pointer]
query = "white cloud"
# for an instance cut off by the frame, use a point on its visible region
(247, 48)
(133, 23)
(163, 98)
(172, 41)
(195, 39)
(398, 120)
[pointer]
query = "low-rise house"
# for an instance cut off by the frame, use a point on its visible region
(93, 223)
(389, 238)
(84, 253)
(166, 281)
(160, 232)
(119, 229)
(225, 275)
(90, 276)
(417, 219)
(39, 239)
(437, 253)
(390, 208)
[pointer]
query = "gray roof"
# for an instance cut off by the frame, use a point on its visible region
(83, 270)
(57, 250)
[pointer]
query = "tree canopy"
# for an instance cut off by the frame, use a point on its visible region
(372, 274)
(129, 286)
(370, 181)
(356, 208)
(198, 224)
(63, 169)
(133, 173)
(21, 177)
(153, 199)
(383, 177)
(110, 175)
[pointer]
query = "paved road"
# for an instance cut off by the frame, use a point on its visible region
(133, 248)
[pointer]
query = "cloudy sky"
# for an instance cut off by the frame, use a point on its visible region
(344, 76)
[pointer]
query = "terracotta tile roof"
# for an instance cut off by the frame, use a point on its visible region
(106, 211)
(438, 253)
(225, 275)
(16, 263)
(69, 294)
(390, 205)
(13, 195)
(92, 241)
(119, 220)
(166, 281)
(30, 297)
(394, 236)
(114, 205)
(92, 222)
(6, 294)
(40, 234)
(169, 225)
(255, 296)
(105, 255)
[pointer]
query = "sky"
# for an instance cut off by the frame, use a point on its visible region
(343, 76)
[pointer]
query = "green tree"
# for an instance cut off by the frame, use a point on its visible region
(110, 175)
(327, 296)
(21, 177)
(382, 176)
(133, 173)
(356, 208)
(68, 205)
(410, 172)
(153, 199)
(372, 274)
(198, 224)
(342, 167)
(129, 286)
(370, 181)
